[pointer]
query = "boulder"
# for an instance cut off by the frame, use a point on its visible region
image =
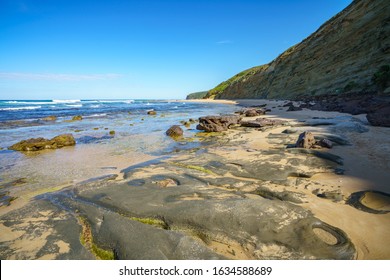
(217, 123)
(174, 131)
(380, 117)
(326, 143)
(152, 113)
(293, 108)
(77, 118)
(305, 140)
(252, 112)
(36, 144)
(63, 140)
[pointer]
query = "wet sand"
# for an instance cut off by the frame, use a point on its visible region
(240, 154)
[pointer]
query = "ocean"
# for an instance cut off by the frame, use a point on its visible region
(138, 137)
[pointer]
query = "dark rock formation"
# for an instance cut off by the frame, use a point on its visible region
(293, 108)
(252, 112)
(380, 117)
(217, 123)
(36, 144)
(174, 131)
(306, 140)
(325, 143)
(374, 202)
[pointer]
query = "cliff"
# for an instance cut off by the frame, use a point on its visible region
(343, 55)
(197, 95)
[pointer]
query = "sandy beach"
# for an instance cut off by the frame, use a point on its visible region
(245, 193)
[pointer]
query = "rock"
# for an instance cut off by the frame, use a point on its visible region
(112, 132)
(325, 143)
(253, 112)
(262, 122)
(152, 113)
(217, 123)
(168, 182)
(174, 131)
(36, 144)
(380, 117)
(305, 140)
(335, 196)
(292, 108)
(289, 131)
(77, 118)
(50, 118)
(64, 140)
(374, 202)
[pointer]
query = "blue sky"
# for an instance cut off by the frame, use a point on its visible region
(53, 49)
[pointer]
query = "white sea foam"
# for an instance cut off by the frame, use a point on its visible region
(20, 108)
(66, 100)
(76, 105)
(116, 101)
(96, 115)
(29, 102)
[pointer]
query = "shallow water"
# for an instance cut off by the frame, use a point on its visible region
(138, 137)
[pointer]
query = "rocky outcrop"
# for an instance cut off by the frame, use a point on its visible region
(343, 55)
(252, 112)
(262, 122)
(380, 117)
(37, 144)
(49, 118)
(217, 123)
(174, 131)
(306, 140)
(77, 118)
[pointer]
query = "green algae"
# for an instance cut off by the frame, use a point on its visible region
(194, 167)
(150, 221)
(86, 239)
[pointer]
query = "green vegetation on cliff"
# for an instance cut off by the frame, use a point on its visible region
(235, 79)
(197, 95)
(333, 60)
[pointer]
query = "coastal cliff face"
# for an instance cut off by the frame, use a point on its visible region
(342, 56)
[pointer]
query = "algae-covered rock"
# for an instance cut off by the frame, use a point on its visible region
(174, 131)
(77, 118)
(49, 118)
(217, 123)
(36, 144)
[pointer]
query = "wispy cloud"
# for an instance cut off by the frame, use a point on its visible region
(223, 42)
(57, 77)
